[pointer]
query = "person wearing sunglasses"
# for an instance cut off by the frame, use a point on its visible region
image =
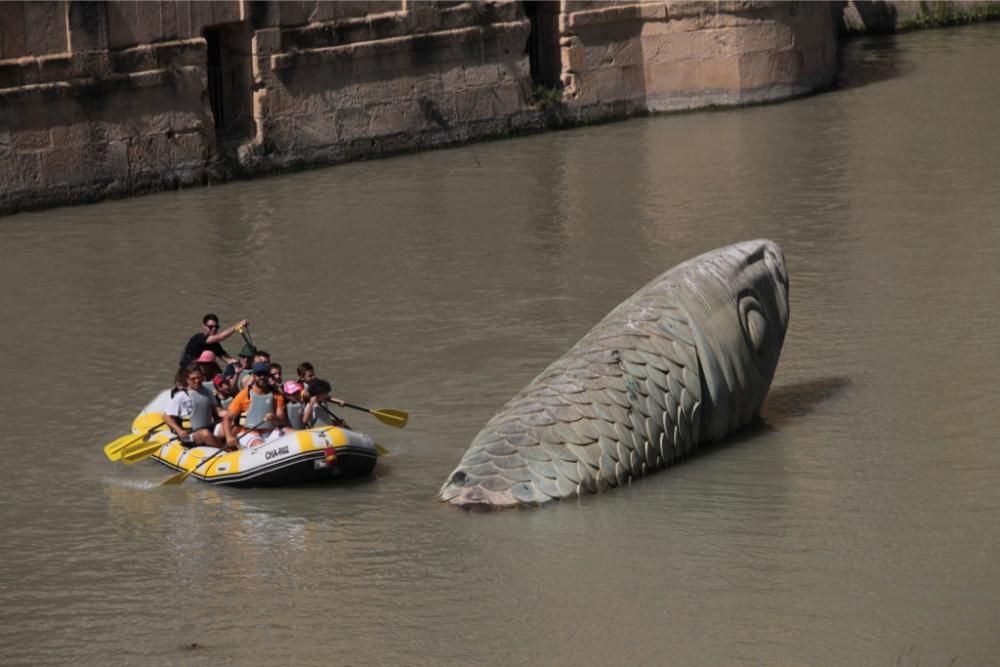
(209, 338)
(264, 409)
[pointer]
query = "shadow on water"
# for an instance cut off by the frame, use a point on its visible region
(868, 60)
(792, 401)
(783, 404)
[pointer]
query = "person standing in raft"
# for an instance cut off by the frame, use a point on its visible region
(264, 408)
(198, 404)
(209, 338)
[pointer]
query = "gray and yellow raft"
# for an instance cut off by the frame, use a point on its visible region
(307, 455)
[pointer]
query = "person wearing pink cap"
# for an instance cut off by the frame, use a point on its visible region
(293, 403)
(206, 364)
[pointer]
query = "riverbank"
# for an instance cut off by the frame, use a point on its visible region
(136, 97)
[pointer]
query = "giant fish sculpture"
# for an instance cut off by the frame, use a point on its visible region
(686, 360)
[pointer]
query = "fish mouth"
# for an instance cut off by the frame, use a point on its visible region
(476, 498)
(469, 494)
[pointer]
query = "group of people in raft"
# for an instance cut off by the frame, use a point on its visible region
(246, 403)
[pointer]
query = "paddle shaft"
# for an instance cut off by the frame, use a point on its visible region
(177, 479)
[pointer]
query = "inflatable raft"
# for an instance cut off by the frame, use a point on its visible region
(308, 455)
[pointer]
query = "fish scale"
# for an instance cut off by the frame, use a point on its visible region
(631, 396)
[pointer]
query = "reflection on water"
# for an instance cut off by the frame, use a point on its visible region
(854, 524)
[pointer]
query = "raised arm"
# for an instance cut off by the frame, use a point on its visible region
(227, 332)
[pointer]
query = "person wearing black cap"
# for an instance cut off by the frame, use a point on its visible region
(264, 408)
(209, 338)
(241, 367)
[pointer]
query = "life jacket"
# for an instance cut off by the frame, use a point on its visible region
(321, 416)
(293, 411)
(260, 405)
(201, 408)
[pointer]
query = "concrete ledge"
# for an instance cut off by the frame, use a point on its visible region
(443, 41)
(90, 86)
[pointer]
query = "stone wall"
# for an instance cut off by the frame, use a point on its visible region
(669, 56)
(117, 98)
(875, 16)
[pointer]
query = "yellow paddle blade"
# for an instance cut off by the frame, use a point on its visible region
(141, 451)
(382, 451)
(147, 421)
(396, 418)
(113, 450)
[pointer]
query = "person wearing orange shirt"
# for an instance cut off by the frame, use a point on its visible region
(264, 408)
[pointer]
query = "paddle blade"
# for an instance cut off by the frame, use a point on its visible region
(113, 450)
(396, 418)
(140, 451)
(146, 423)
(382, 451)
(176, 479)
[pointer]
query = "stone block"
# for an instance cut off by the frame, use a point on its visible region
(627, 53)
(182, 19)
(155, 154)
(316, 130)
(263, 43)
(27, 141)
(615, 84)
(136, 59)
(597, 56)
(382, 6)
(30, 72)
(12, 31)
(389, 25)
(573, 55)
(226, 11)
(428, 85)
(94, 163)
(352, 123)
(453, 77)
(73, 134)
(584, 89)
(472, 104)
(482, 75)
(757, 70)
(401, 116)
(759, 37)
(188, 149)
(21, 172)
(132, 23)
(186, 53)
(671, 77)
(508, 99)
(296, 12)
(10, 75)
(45, 28)
(279, 134)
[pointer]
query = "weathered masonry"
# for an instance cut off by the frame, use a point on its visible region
(112, 98)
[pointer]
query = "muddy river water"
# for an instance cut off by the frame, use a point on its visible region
(859, 524)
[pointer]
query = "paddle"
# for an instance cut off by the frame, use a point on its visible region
(382, 451)
(396, 418)
(141, 451)
(245, 332)
(113, 450)
(181, 476)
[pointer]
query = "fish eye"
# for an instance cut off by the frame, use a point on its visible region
(752, 321)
